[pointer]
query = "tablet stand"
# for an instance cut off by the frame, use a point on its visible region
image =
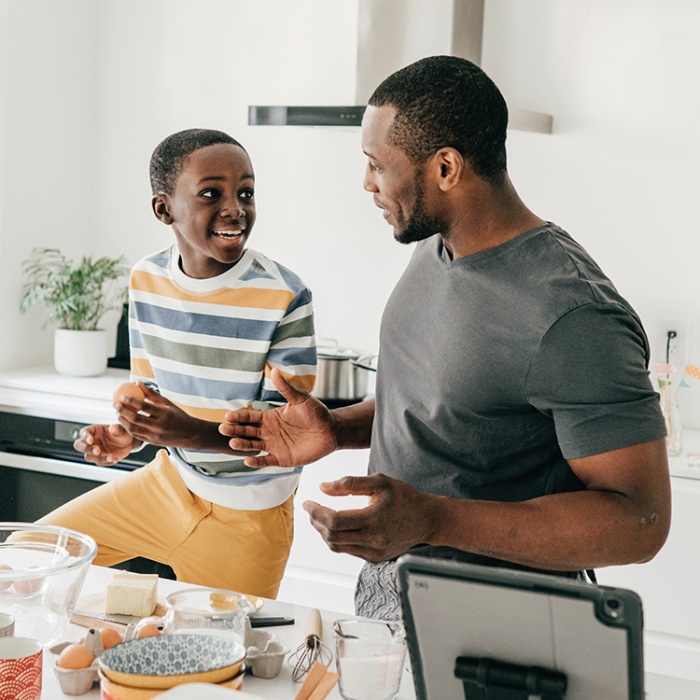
(487, 679)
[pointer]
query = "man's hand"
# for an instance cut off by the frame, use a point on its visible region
(396, 518)
(104, 444)
(298, 433)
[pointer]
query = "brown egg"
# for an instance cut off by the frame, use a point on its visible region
(149, 631)
(110, 637)
(30, 585)
(75, 656)
(128, 389)
(4, 585)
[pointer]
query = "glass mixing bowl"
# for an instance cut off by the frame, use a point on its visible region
(42, 569)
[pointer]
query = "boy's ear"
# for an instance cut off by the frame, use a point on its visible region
(161, 208)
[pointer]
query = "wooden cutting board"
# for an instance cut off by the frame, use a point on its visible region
(90, 612)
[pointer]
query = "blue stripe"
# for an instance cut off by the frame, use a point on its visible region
(205, 324)
(292, 356)
(207, 388)
(258, 477)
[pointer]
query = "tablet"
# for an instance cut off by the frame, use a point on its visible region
(483, 633)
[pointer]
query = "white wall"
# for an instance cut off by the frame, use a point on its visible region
(91, 86)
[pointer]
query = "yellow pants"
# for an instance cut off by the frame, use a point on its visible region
(151, 513)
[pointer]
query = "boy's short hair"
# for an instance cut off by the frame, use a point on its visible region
(447, 101)
(170, 154)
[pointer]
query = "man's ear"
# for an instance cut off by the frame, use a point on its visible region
(161, 208)
(451, 165)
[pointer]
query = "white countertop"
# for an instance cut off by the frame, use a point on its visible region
(40, 391)
(280, 688)
(658, 687)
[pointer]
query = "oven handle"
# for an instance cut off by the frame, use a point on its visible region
(91, 472)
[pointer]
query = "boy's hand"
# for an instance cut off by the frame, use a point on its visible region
(298, 433)
(158, 420)
(104, 444)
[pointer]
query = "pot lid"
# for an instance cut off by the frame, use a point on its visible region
(337, 353)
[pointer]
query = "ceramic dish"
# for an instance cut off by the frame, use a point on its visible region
(109, 690)
(165, 661)
(203, 691)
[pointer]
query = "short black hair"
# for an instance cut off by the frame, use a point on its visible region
(447, 101)
(169, 157)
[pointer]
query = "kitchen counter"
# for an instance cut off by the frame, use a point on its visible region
(658, 686)
(40, 391)
(280, 688)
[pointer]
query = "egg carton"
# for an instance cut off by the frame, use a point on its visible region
(78, 681)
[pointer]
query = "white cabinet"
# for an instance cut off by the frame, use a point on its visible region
(315, 576)
(669, 585)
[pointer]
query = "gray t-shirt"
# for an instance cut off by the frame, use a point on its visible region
(496, 368)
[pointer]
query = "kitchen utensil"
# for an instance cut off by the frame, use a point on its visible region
(318, 683)
(341, 373)
(203, 610)
(47, 566)
(20, 668)
(369, 657)
(312, 648)
(165, 661)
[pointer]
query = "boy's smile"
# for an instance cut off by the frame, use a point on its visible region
(212, 209)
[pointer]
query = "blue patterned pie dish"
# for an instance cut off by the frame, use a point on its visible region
(168, 660)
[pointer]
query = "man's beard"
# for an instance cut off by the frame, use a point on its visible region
(419, 226)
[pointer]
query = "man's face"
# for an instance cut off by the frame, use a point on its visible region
(397, 184)
(213, 209)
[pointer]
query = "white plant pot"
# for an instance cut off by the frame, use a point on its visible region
(80, 353)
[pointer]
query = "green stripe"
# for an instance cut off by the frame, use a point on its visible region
(218, 358)
(302, 328)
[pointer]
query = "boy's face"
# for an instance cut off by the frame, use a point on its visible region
(212, 209)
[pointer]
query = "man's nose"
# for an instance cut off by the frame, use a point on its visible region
(368, 182)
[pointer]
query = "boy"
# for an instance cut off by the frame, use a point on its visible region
(209, 318)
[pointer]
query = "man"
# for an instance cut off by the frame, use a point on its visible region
(514, 422)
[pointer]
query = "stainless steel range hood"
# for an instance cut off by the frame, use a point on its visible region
(390, 35)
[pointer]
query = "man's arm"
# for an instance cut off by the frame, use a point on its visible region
(622, 517)
(300, 432)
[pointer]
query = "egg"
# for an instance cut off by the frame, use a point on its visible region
(110, 637)
(128, 389)
(30, 585)
(75, 656)
(148, 631)
(4, 585)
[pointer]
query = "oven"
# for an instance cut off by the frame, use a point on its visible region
(40, 470)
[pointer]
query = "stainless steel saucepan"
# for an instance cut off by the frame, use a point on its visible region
(342, 373)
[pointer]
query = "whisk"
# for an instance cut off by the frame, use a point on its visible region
(311, 650)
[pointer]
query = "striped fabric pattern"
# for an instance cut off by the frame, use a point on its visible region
(208, 345)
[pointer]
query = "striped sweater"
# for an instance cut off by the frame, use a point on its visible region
(208, 345)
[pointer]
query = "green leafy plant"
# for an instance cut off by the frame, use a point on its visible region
(76, 294)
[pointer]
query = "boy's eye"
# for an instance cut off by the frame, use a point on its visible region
(247, 193)
(209, 193)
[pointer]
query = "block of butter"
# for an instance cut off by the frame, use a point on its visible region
(132, 594)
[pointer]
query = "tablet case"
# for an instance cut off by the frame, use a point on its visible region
(521, 628)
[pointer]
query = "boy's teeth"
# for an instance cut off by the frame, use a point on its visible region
(228, 234)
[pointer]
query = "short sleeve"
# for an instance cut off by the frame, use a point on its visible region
(590, 374)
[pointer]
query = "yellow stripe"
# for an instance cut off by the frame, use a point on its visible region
(141, 368)
(247, 297)
(301, 381)
(213, 415)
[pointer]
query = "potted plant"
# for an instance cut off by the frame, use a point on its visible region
(76, 296)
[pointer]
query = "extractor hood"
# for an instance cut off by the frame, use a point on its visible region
(391, 34)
